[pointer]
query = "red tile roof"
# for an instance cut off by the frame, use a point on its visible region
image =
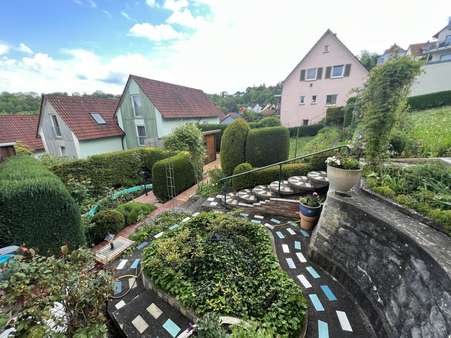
(75, 112)
(174, 101)
(23, 128)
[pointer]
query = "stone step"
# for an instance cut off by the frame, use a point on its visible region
(263, 192)
(301, 184)
(246, 196)
(285, 188)
(318, 178)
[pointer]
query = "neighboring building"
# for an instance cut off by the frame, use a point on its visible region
(269, 109)
(149, 110)
(21, 128)
(78, 126)
(324, 78)
(418, 50)
(441, 51)
(393, 51)
(230, 117)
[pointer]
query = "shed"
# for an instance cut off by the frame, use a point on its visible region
(210, 144)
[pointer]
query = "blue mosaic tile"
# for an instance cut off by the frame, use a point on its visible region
(117, 287)
(305, 233)
(312, 272)
(135, 263)
(173, 227)
(280, 235)
(256, 221)
(244, 215)
(316, 302)
(290, 263)
(297, 245)
(274, 220)
(328, 292)
(323, 329)
(143, 245)
(171, 327)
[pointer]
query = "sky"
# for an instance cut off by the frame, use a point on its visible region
(215, 45)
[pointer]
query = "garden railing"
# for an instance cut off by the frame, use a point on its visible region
(225, 180)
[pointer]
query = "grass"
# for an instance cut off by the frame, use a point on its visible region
(302, 142)
(430, 130)
(326, 137)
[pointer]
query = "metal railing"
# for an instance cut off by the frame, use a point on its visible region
(225, 180)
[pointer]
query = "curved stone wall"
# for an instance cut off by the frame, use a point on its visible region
(397, 268)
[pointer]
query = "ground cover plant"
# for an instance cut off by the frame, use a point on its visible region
(224, 264)
(425, 188)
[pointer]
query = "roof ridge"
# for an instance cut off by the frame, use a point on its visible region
(164, 82)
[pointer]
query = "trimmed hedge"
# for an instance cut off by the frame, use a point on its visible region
(36, 209)
(309, 130)
(183, 174)
(266, 176)
(105, 222)
(218, 136)
(133, 210)
(267, 145)
(233, 145)
(427, 101)
(269, 121)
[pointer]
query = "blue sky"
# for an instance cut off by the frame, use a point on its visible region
(215, 45)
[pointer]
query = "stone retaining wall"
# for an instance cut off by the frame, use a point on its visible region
(397, 268)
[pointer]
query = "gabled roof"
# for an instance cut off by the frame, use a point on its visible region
(232, 115)
(417, 49)
(328, 32)
(448, 26)
(20, 128)
(75, 112)
(174, 101)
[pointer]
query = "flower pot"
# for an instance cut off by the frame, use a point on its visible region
(309, 215)
(307, 223)
(343, 179)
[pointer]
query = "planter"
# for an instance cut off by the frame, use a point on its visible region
(309, 215)
(343, 179)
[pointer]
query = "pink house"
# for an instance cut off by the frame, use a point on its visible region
(324, 78)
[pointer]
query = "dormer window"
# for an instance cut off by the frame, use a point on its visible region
(98, 118)
(337, 71)
(310, 74)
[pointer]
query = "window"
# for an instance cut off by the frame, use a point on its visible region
(305, 122)
(301, 99)
(63, 151)
(331, 99)
(310, 74)
(337, 71)
(56, 126)
(448, 40)
(142, 135)
(445, 57)
(326, 49)
(98, 118)
(314, 99)
(136, 104)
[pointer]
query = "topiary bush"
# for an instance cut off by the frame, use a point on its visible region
(309, 130)
(105, 222)
(183, 175)
(427, 101)
(267, 145)
(35, 208)
(134, 211)
(233, 145)
(150, 156)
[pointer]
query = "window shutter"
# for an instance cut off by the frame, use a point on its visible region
(302, 74)
(319, 73)
(347, 69)
(328, 70)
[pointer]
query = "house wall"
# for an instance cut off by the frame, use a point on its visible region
(228, 120)
(53, 143)
(166, 126)
(100, 146)
(436, 77)
(292, 113)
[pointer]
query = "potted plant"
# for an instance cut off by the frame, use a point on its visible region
(343, 172)
(310, 207)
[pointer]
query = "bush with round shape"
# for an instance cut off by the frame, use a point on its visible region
(133, 211)
(106, 222)
(233, 145)
(35, 208)
(267, 145)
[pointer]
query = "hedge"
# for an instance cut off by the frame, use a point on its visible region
(218, 136)
(267, 145)
(132, 211)
(335, 116)
(103, 223)
(427, 101)
(233, 145)
(268, 175)
(183, 175)
(269, 121)
(309, 130)
(36, 208)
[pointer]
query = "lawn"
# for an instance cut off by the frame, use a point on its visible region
(430, 131)
(302, 141)
(326, 138)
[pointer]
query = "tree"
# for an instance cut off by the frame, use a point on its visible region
(233, 145)
(369, 60)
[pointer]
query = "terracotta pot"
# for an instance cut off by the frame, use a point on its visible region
(343, 179)
(307, 222)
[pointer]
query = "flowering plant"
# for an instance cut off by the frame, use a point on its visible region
(343, 162)
(312, 201)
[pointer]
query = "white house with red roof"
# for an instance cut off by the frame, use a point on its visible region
(21, 128)
(78, 126)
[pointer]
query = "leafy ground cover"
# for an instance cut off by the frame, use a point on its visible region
(224, 264)
(424, 188)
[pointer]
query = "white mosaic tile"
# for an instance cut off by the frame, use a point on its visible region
(159, 235)
(301, 257)
(304, 282)
(269, 226)
(121, 264)
(285, 248)
(291, 231)
(119, 305)
(140, 324)
(344, 322)
(210, 199)
(132, 283)
(186, 219)
(154, 310)
(258, 216)
(196, 213)
(213, 204)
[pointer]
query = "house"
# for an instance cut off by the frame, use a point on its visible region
(441, 51)
(325, 77)
(230, 117)
(392, 52)
(149, 110)
(21, 128)
(418, 51)
(78, 126)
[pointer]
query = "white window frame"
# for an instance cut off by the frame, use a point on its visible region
(339, 76)
(301, 100)
(306, 74)
(98, 118)
(336, 99)
(133, 104)
(316, 99)
(54, 119)
(139, 137)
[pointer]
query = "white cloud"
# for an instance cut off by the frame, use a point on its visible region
(107, 13)
(175, 5)
(92, 3)
(4, 48)
(24, 48)
(155, 32)
(152, 3)
(125, 15)
(185, 18)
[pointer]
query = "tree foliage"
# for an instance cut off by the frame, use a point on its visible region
(368, 59)
(233, 145)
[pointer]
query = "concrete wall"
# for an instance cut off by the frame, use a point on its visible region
(100, 146)
(397, 268)
(436, 77)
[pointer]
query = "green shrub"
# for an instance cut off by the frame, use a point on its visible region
(135, 211)
(105, 222)
(433, 100)
(35, 208)
(385, 191)
(150, 156)
(183, 174)
(335, 116)
(245, 181)
(233, 145)
(267, 145)
(270, 121)
(309, 130)
(218, 136)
